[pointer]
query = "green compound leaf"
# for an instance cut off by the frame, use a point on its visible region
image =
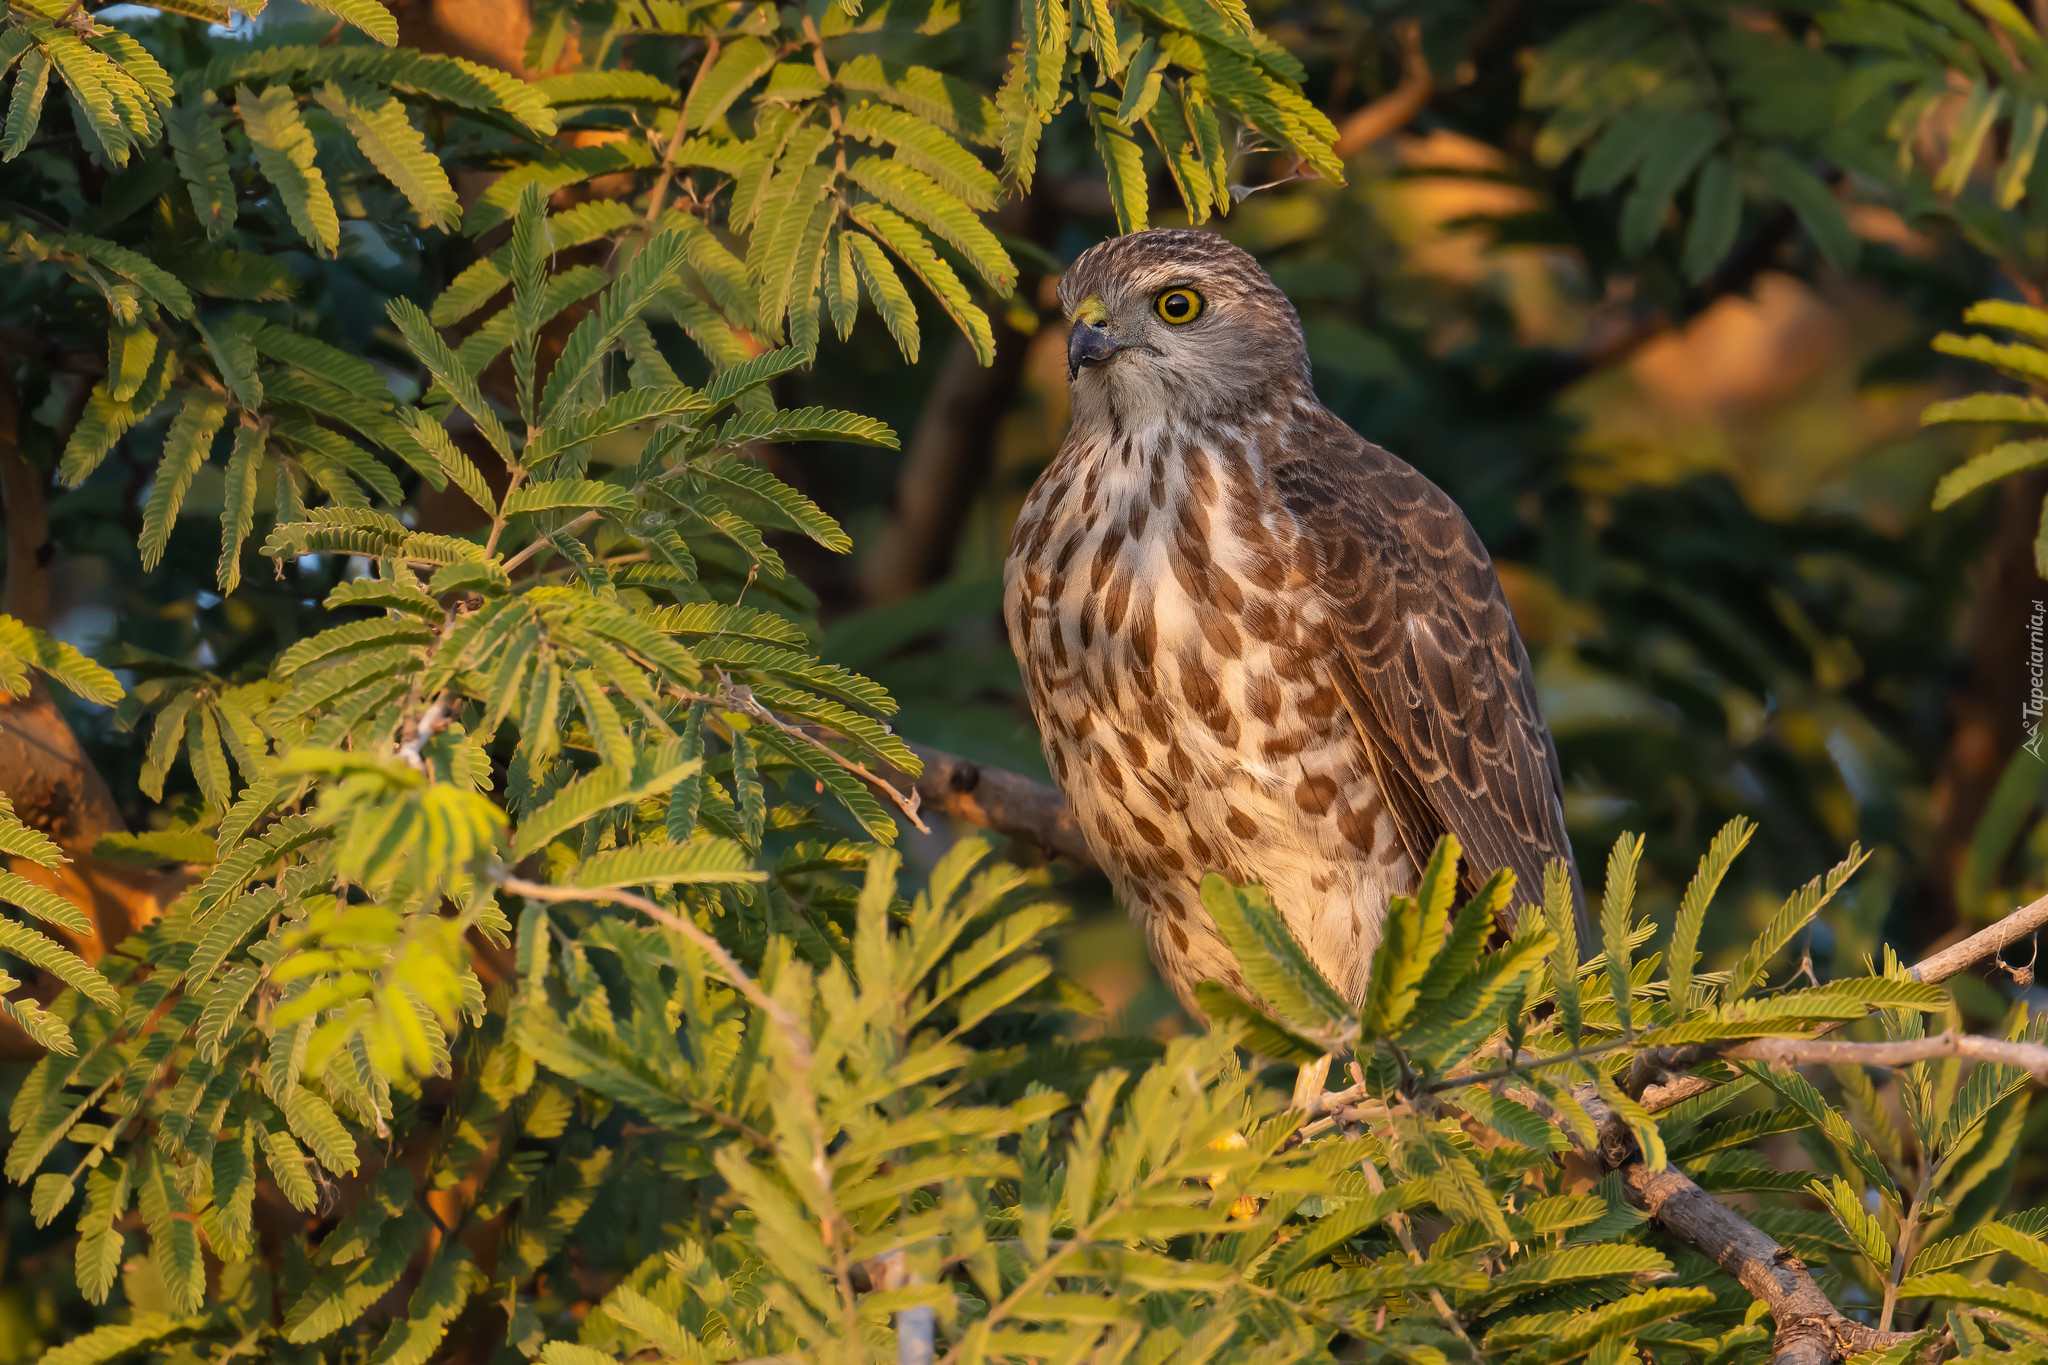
(284, 150)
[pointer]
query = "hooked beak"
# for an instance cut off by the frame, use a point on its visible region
(1088, 344)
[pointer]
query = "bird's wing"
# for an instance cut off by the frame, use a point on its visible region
(1433, 667)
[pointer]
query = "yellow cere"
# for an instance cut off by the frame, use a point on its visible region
(1092, 311)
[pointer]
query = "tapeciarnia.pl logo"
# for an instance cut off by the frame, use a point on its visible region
(2037, 675)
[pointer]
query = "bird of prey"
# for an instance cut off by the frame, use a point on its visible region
(1256, 643)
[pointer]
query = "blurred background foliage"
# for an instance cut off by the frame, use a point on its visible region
(1649, 286)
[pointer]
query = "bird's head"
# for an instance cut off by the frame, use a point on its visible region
(1176, 323)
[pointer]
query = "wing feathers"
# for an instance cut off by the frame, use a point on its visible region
(1438, 680)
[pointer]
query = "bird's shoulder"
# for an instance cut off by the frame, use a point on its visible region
(1375, 515)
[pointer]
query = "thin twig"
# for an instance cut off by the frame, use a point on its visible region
(659, 195)
(1327, 1109)
(1398, 1221)
(577, 523)
(1783, 1053)
(1938, 967)
(1909, 1229)
(797, 1036)
(1810, 1329)
(430, 724)
(739, 697)
(569, 528)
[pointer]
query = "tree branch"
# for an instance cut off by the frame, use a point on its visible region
(1988, 697)
(44, 770)
(737, 697)
(1538, 383)
(952, 454)
(1811, 1331)
(435, 720)
(26, 596)
(945, 468)
(1950, 961)
(794, 1034)
(1392, 111)
(1399, 1223)
(1006, 802)
(1782, 1054)
(1036, 812)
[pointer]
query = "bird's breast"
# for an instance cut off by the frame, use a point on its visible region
(1176, 652)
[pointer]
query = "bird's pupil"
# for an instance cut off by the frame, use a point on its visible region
(1176, 304)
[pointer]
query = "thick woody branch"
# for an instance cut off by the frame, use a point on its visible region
(1010, 803)
(945, 468)
(1953, 960)
(26, 594)
(44, 770)
(1810, 1331)
(1005, 802)
(423, 731)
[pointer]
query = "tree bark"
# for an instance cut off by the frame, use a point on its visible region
(2024, 922)
(1005, 802)
(44, 770)
(26, 594)
(1811, 1331)
(1392, 111)
(1784, 1054)
(945, 468)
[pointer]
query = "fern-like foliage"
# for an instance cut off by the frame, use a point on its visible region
(1958, 99)
(1686, 112)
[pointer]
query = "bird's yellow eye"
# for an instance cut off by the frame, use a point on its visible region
(1179, 305)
